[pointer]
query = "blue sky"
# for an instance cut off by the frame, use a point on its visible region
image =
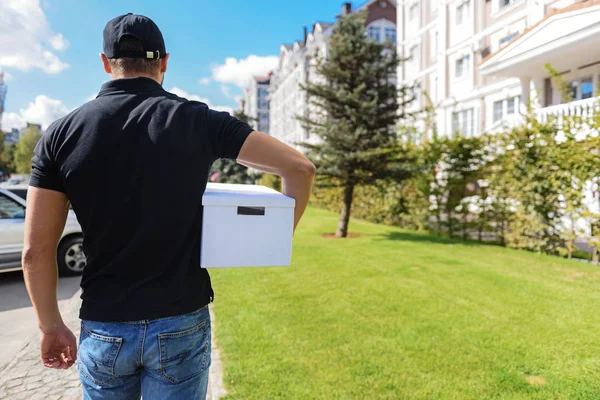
(212, 45)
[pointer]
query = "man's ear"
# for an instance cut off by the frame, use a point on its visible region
(163, 63)
(106, 64)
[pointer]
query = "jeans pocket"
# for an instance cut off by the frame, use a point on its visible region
(97, 356)
(185, 354)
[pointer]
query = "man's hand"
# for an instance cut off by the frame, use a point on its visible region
(267, 154)
(58, 349)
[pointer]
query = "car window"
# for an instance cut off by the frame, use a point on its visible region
(22, 193)
(10, 209)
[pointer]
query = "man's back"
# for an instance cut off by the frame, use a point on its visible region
(134, 163)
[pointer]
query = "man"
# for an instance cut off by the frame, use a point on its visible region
(134, 164)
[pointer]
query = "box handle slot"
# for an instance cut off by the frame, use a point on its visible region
(251, 211)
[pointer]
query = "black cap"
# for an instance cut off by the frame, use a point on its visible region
(141, 28)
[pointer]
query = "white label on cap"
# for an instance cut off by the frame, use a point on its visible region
(149, 54)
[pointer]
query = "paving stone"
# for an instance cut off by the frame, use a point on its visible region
(13, 383)
(18, 373)
(72, 394)
(31, 386)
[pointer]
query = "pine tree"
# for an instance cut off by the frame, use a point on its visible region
(354, 110)
(229, 171)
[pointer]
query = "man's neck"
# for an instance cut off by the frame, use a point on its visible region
(124, 76)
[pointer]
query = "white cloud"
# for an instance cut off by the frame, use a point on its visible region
(12, 120)
(91, 97)
(26, 39)
(58, 42)
(8, 77)
(226, 90)
(186, 95)
(204, 81)
(241, 71)
(43, 110)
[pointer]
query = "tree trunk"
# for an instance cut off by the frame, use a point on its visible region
(502, 233)
(595, 256)
(450, 224)
(342, 229)
(464, 221)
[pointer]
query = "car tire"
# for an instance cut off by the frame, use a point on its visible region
(71, 259)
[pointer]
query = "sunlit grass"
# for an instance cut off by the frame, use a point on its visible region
(401, 315)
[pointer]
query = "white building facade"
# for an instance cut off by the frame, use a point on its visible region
(256, 103)
(297, 67)
(480, 61)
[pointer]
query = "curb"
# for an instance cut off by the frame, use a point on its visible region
(216, 389)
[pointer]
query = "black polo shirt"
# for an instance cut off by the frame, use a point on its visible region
(134, 164)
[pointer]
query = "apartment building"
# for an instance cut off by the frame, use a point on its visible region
(480, 61)
(297, 63)
(256, 102)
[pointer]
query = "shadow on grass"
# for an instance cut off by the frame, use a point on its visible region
(420, 237)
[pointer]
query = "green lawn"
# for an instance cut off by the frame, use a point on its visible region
(402, 315)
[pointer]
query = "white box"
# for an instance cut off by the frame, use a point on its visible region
(246, 226)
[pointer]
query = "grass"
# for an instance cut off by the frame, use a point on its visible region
(402, 315)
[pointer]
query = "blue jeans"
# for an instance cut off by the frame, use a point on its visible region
(165, 358)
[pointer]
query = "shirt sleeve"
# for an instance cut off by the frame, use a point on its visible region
(228, 134)
(45, 172)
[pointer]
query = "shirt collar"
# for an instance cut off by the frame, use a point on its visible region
(129, 85)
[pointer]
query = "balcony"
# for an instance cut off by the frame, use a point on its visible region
(583, 109)
(567, 39)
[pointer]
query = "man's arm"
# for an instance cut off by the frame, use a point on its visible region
(45, 218)
(267, 154)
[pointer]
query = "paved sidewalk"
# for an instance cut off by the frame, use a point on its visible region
(26, 378)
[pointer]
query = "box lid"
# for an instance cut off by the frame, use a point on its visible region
(225, 194)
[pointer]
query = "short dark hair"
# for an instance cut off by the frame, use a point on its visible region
(133, 65)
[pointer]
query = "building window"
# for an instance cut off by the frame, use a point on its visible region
(504, 108)
(587, 88)
(390, 34)
(463, 123)
(263, 104)
(508, 38)
(462, 66)
(462, 13)
(498, 110)
(262, 92)
(414, 56)
(413, 12)
(374, 32)
(504, 3)
(510, 106)
(434, 44)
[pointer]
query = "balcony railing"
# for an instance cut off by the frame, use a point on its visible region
(580, 108)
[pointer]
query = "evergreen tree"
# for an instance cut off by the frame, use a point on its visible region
(25, 146)
(353, 111)
(229, 171)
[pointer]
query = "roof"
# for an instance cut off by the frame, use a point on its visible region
(572, 7)
(261, 78)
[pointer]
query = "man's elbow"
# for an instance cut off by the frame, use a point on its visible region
(33, 256)
(306, 168)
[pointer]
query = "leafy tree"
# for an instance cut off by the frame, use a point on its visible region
(4, 160)
(229, 171)
(354, 110)
(24, 149)
(8, 158)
